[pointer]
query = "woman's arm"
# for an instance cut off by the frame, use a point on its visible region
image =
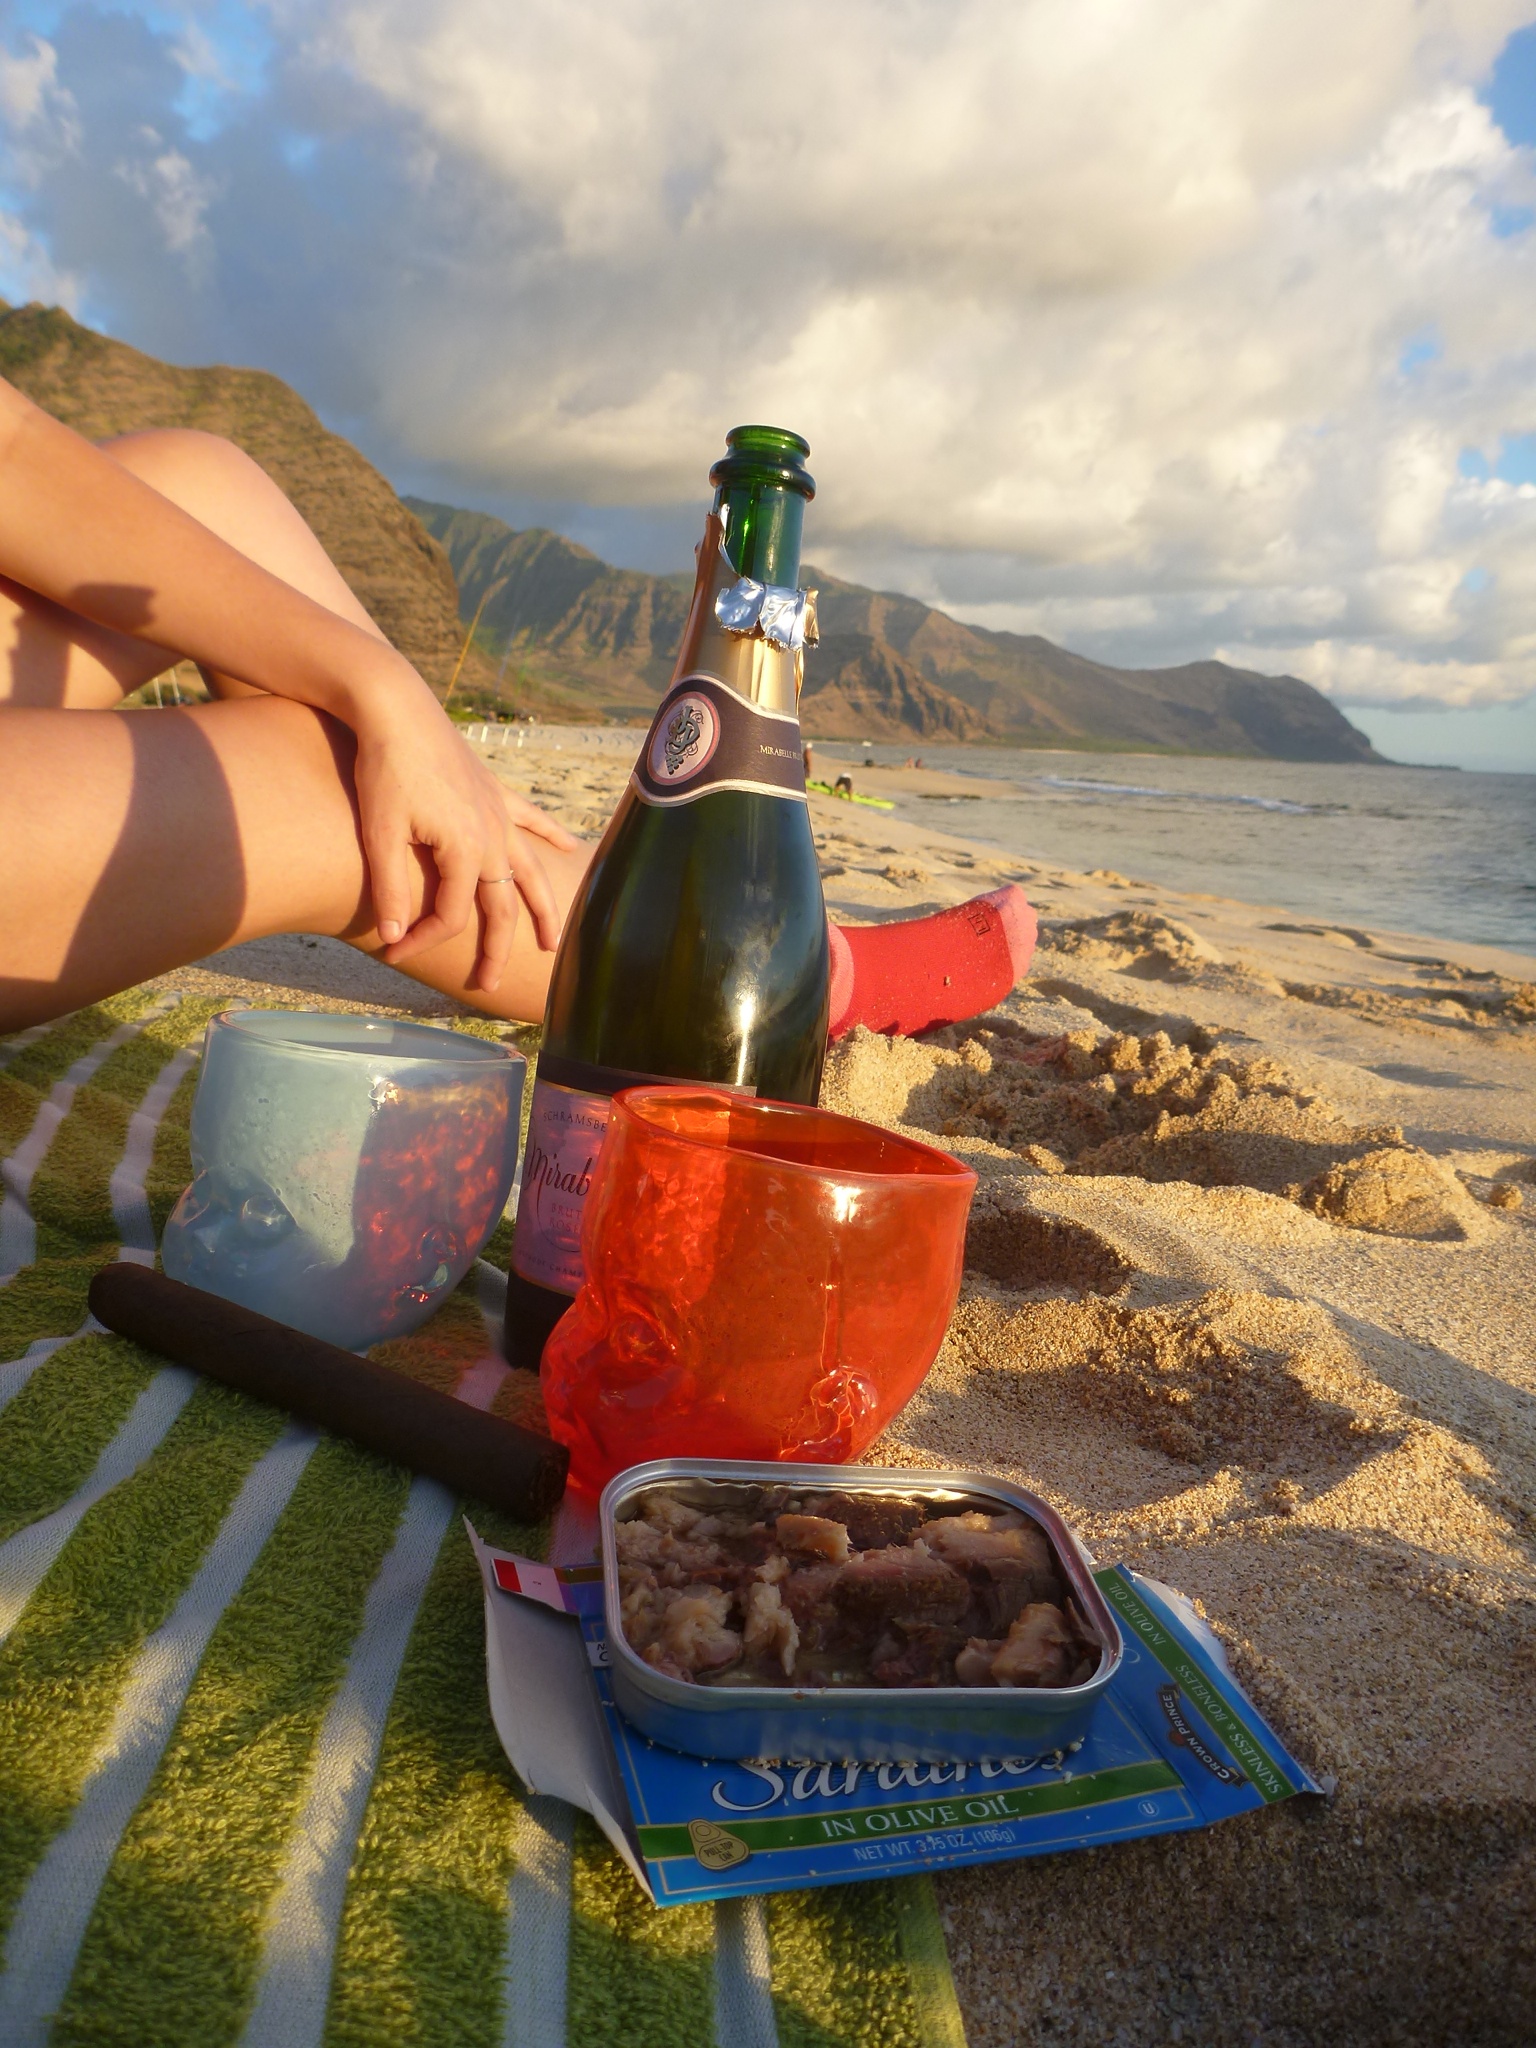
(80, 529)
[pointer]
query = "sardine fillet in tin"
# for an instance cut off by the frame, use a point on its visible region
(866, 1724)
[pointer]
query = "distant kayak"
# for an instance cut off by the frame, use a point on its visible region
(876, 803)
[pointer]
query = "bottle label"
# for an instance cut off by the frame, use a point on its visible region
(565, 1135)
(705, 736)
(566, 1127)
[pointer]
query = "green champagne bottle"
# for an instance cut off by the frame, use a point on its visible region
(696, 947)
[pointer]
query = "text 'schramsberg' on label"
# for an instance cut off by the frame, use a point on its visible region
(706, 737)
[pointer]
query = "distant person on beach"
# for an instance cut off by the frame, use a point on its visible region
(324, 788)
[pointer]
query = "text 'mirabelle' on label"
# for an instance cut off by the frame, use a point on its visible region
(705, 737)
(565, 1135)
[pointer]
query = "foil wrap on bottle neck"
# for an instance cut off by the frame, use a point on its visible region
(749, 635)
(786, 618)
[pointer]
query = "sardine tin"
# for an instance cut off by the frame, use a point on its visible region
(864, 1724)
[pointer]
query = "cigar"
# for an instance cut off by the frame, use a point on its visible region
(471, 1452)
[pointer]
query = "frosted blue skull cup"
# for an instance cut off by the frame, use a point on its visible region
(346, 1170)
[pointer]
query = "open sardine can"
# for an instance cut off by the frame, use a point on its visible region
(816, 1713)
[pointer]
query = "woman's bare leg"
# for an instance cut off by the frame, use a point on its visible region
(134, 843)
(53, 658)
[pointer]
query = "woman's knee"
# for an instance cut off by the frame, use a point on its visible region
(232, 495)
(178, 461)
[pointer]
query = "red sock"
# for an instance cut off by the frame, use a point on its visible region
(934, 970)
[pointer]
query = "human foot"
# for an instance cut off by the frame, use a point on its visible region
(927, 971)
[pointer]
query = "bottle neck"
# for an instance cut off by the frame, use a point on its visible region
(761, 489)
(766, 676)
(762, 523)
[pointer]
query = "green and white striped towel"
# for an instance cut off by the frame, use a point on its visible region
(249, 1788)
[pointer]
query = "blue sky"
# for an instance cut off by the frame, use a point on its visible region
(1164, 329)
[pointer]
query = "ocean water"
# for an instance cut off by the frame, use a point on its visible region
(1439, 851)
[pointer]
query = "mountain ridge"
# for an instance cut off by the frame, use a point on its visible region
(592, 640)
(888, 666)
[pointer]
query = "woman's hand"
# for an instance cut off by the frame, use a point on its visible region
(419, 785)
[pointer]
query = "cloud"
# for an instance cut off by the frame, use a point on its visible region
(27, 270)
(1152, 324)
(176, 195)
(38, 116)
(1364, 674)
(29, 86)
(39, 125)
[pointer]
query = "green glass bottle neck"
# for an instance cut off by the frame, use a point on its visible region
(762, 487)
(762, 531)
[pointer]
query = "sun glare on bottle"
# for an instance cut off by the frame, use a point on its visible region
(746, 1017)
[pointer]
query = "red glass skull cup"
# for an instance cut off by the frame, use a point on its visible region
(762, 1281)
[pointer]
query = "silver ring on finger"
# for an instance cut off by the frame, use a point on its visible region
(492, 881)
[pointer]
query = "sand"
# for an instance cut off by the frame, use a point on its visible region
(1249, 1299)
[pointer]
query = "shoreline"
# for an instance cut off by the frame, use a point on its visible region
(1003, 743)
(1418, 856)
